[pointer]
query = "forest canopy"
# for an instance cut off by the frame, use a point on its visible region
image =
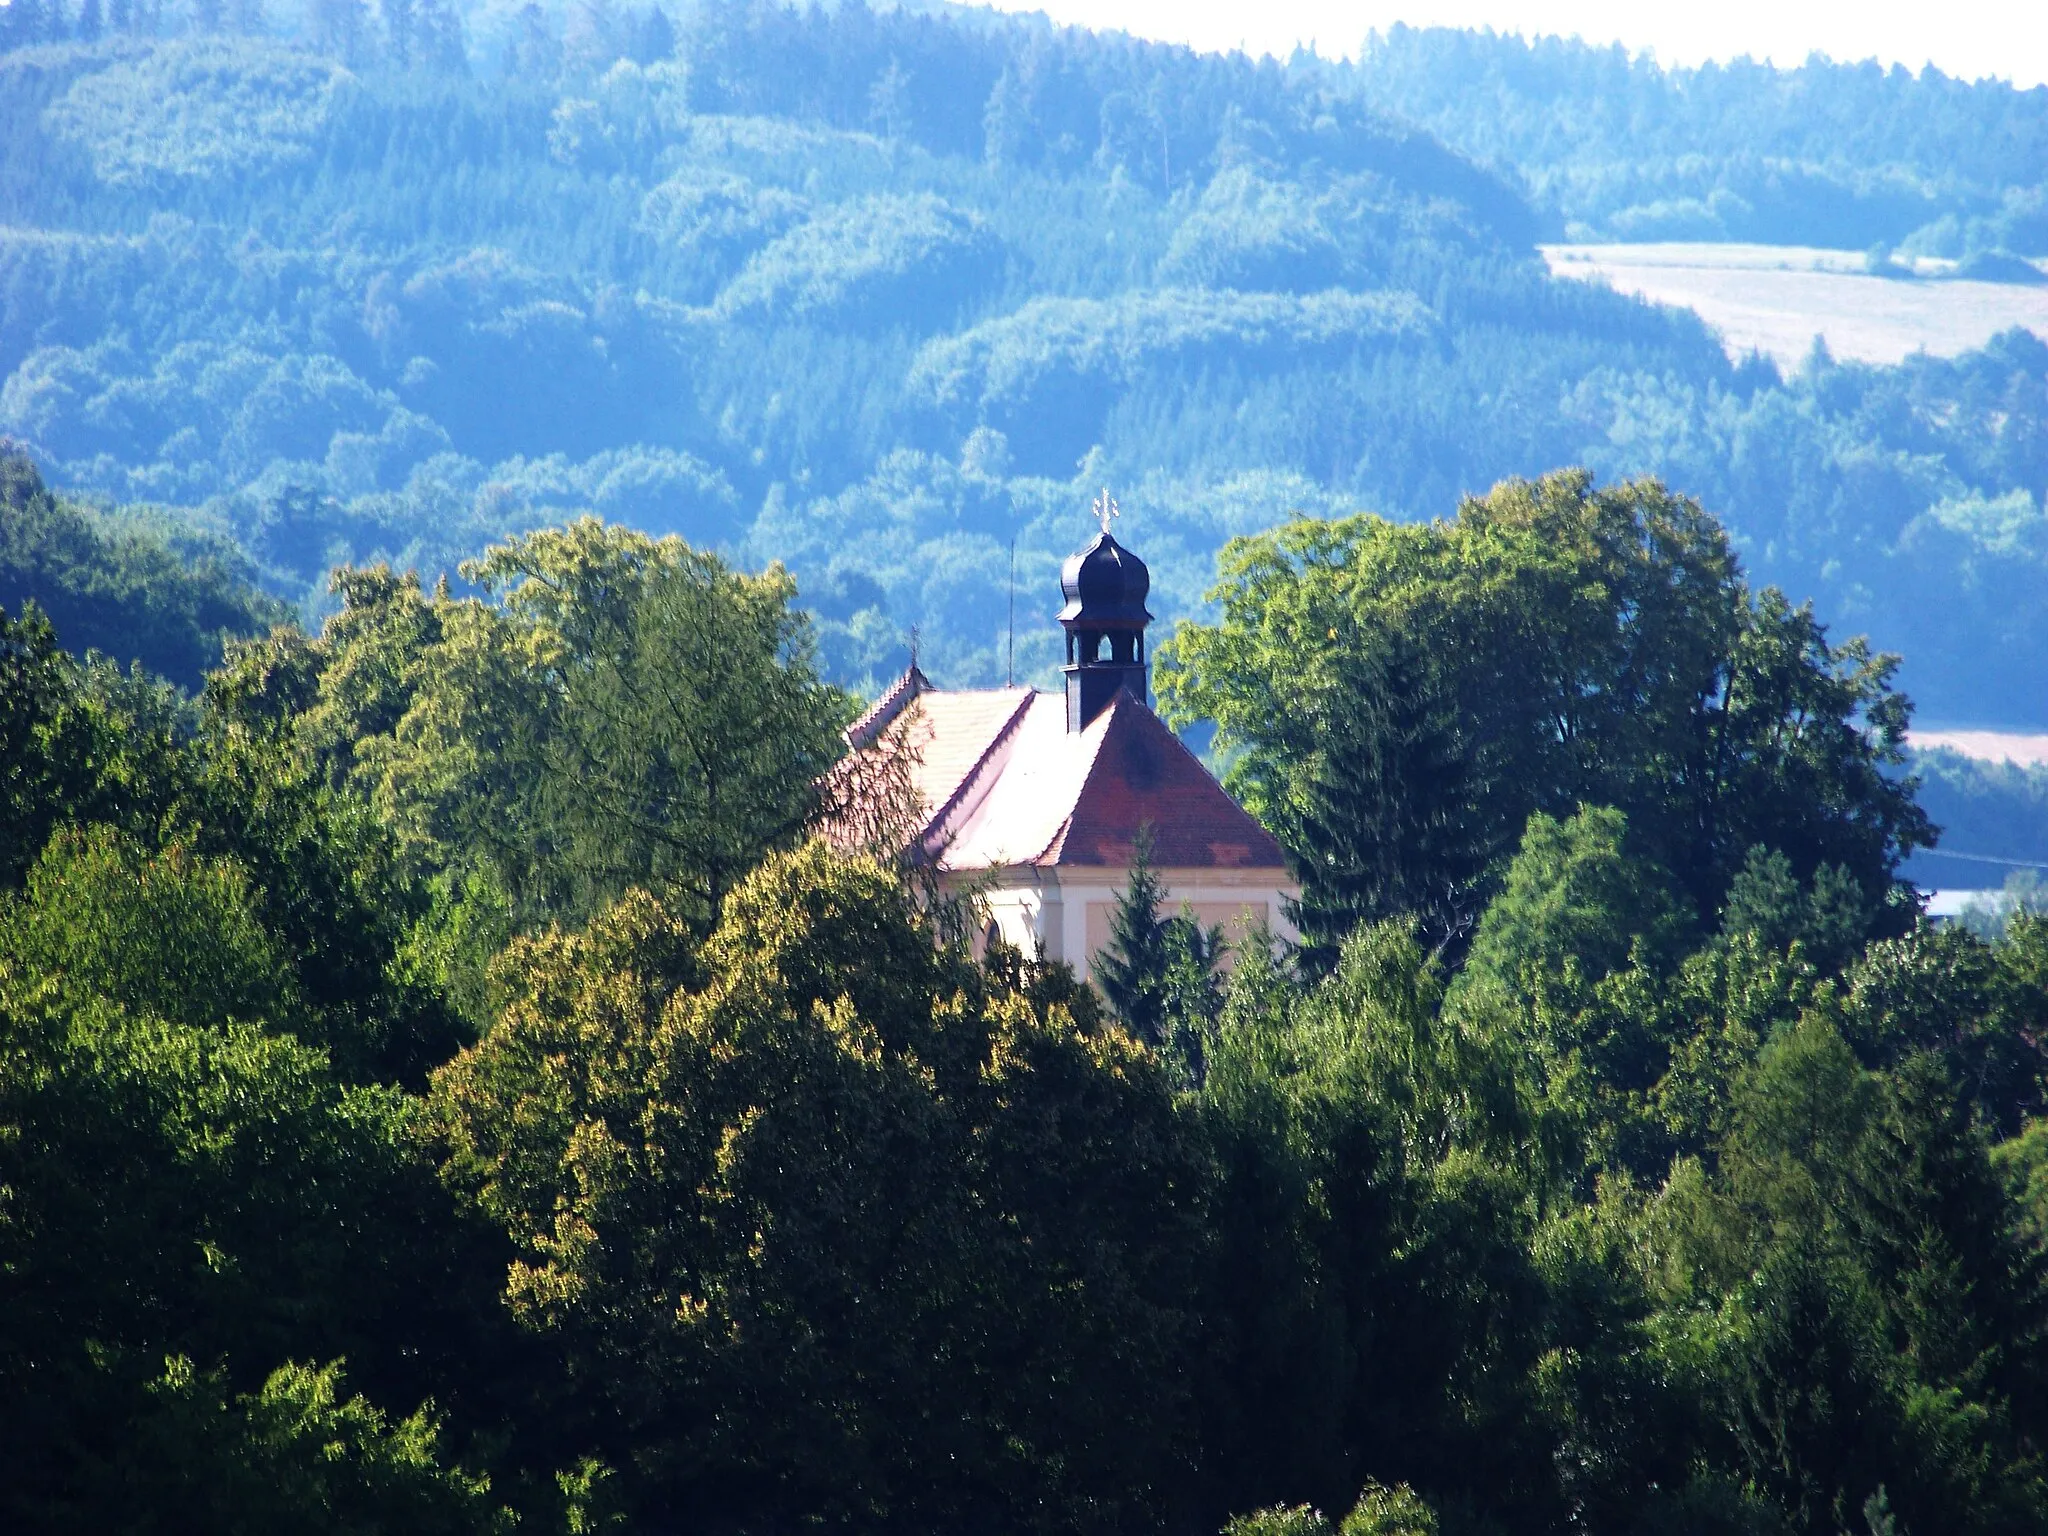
(1398, 702)
(469, 461)
(447, 1084)
(879, 293)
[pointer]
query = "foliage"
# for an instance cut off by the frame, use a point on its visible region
(198, 108)
(1822, 153)
(632, 1210)
(1379, 1512)
(292, 1454)
(1007, 1209)
(1132, 970)
(615, 710)
(912, 257)
(395, 283)
(1159, 974)
(1827, 918)
(1882, 1263)
(1977, 1005)
(458, 992)
(196, 1185)
(122, 587)
(1573, 897)
(1398, 701)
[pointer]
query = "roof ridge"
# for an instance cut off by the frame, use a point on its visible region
(1099, 729)
(1053, 847)
(1025, 698)
(876, 718)
(1140, 717)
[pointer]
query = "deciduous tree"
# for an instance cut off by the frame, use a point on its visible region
(1396, 700)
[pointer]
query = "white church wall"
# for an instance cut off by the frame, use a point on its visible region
(1070, 910)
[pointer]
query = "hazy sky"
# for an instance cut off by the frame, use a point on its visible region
(1971, 38)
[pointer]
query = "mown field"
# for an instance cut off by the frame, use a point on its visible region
(1775, 299)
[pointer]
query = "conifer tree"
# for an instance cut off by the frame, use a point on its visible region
(1160, 974)
(1385, 828)
(1133, 970)
(1193, 991)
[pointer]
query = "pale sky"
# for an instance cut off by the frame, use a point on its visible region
(1969, 38)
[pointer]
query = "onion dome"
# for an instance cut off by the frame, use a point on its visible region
(1105, 584)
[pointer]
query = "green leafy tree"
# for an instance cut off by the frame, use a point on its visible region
(622, 711)
(78, 743)
(1560, 643)
(294, 1454)
(1380, 1511)
(1574, 898)
(1980, 1009)
(1375, 1301)
(90, 746)
(1875, 1279)
(1570, 961)
(172, 934)
(827, 1219)
(197, 1183)
(2022, 1162)
(123, 588)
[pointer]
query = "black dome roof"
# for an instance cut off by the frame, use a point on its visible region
(1105, 584)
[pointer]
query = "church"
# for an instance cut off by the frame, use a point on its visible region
(1035, 800)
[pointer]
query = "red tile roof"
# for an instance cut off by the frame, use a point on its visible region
(1142, 775)
(876, 717)
(1001, 781)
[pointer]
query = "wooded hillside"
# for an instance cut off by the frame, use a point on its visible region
(877, 293)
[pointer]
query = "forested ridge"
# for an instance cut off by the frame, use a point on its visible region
(877, 293)
(448, 1083)
(466, 1065)
(1614, 146)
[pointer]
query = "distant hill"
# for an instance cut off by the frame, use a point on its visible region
(1616, 147)
(1988, 811)
(129, 588)
(882, 294)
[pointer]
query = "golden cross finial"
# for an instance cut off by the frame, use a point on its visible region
(1105, 509)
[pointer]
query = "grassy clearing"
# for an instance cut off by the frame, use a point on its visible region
(1776, 299)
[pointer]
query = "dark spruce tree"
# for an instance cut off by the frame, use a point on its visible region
(1132, 971)
(1385, 828)
(1162, 975)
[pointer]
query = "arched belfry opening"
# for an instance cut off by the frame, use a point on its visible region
(1105, 586)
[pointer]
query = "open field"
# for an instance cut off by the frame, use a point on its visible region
(1775, 298)
(2028, 751)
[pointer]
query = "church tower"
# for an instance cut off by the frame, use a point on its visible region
(1105, 586)
(1034, 803)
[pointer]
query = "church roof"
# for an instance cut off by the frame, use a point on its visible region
(1001, 781)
